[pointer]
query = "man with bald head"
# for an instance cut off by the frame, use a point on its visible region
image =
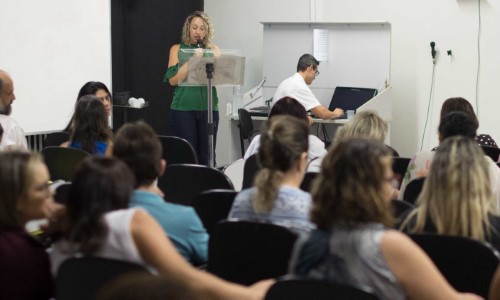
(13, 136)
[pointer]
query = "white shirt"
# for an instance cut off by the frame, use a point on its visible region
(13, 134)
(315, 153)
(296, 88)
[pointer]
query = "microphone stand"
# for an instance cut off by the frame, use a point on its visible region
(209, 68)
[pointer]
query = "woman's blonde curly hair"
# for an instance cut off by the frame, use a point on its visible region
(208, 23)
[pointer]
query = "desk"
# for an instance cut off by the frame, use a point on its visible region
(126, 107)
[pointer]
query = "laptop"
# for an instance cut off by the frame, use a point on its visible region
(350, 98)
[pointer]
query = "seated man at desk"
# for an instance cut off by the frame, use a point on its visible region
(297, 87)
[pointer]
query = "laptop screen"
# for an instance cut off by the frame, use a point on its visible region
(350, 98)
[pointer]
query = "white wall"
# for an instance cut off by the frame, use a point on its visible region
(451, 24)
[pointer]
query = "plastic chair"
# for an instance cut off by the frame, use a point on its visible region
(250, 170)
(296, 288)
(177, 150)
(183, 182)
(492, 152)
(246, 252)
(467, 264)
(399, 166)
(55, 139)
(413, 190)
(213, 206)
(246, 128)
(307, 181)
(400, 209)
(82, 278)
(62, 162)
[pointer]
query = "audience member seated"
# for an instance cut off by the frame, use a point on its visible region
(99, 224)
(139, 147)
(14, 134)
(276, 197)
(352, 244)
(452, 124)
(90, 130)
(98, 89)
(456, 198)
(461, 104)
(364, 124)
(290, 106)
(24, 196)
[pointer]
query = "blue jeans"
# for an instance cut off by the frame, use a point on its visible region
(192, 126)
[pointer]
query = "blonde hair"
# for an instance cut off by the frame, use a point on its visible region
(349, 188)
(365, 124)
(208, 23)
(456, 196)
(283, 141)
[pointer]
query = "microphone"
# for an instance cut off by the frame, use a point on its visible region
(200, 44)
(433, 52)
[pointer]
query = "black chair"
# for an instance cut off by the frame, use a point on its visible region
(62, 162)
(55, 139)
(246, 128)
(467, 264)
(213, 206)
(250, 170)
(393, 151)
(399, 166)
(400, 210)
(413, 190)
(492, 152)
(62, 192)
(246, 252)
(182, 183)
(177, 150)
(82, 278)
(296, 288)
(498, 164)
(307, 181)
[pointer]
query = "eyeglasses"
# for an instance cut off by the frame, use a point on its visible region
(316, 72)
(393, 180)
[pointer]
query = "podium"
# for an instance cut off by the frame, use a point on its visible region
(209, 68)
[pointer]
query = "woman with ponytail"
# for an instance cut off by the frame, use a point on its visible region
(276, 197)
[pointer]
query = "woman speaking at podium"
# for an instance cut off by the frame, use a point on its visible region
(188, 112)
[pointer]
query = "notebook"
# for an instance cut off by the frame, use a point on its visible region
(350, 98)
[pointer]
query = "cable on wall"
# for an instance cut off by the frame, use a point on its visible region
(478, 55)
(429, 104)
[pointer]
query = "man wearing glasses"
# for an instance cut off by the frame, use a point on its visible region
(297, 87)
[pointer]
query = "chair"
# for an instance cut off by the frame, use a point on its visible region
(246, 252)
(246, 128)
(181, 183)
(62, 192)
(399, 166)
(213, 206)
(492, 152)
(296, 288)
(250, 170)
(235, 172)
(413, 190)
(467, 264)
(307, 181)
(82, 278)
(177, 150)
(498, 164)
(401, 208)
(393, 151)
(55, 139)
(62, 162)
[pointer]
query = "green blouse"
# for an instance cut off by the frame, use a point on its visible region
(189, 98)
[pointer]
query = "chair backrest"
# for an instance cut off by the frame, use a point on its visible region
(467, 264)
(177, 150)
(498, 164)
(307, 181)
(393, 151)
(235, 172)
(401, 208)
(296, 288)
(55, 139)
(492, 152)
(413, 190)
(250, 170)
(246, 252)
(181, 183)
(82, 278)
(246, 128)
(213, 206)
(399, 166)
(62, 192)
(62, 162)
